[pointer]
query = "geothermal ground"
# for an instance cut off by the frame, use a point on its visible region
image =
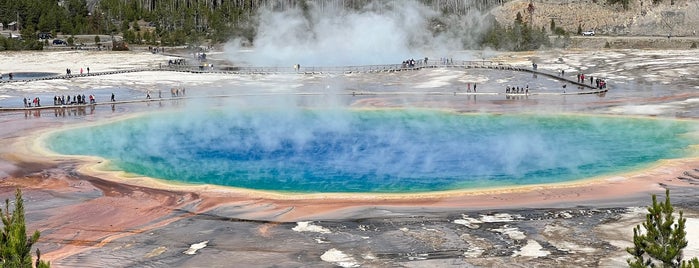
(89, 217)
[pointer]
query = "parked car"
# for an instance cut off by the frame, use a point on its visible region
(59, 42)
(45, 35)
(588, 33)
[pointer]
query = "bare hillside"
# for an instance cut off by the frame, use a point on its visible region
(641, 19)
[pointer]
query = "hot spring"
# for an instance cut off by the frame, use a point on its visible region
(378, 151)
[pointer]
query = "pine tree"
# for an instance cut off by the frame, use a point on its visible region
(663, 240)
(15, 246)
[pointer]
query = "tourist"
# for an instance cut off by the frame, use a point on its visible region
(148, 95)
(112, 96)
(25, 102)
(88, 70)
(474, 87)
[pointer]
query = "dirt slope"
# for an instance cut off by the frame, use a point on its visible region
(641, 19)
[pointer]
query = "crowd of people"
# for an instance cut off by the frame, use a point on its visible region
(517, 90)
(177, 91)
(76, 99)
(408, 63)
(62, 100)
(411, 63)
(69, 72)
(446, 61)
(91, 99)
(36, 102)
(156, 50)
(176, 62)
(597, 82)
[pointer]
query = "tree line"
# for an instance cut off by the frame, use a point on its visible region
(165, 22)
(179, 22)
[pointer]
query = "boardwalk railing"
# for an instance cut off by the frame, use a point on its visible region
(340, 69)
(481, 64)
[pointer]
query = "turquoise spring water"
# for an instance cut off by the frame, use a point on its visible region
(387, 151)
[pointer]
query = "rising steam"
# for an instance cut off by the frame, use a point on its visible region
(381, 32)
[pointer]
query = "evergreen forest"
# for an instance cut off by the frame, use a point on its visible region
(196, 22)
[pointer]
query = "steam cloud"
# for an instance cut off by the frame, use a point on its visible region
(382, 32)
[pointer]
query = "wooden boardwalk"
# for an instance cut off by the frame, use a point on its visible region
(465, 65)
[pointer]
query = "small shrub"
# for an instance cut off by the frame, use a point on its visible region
(660, 240)
(15, 245)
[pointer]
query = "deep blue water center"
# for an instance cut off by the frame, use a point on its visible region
(389, 151)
